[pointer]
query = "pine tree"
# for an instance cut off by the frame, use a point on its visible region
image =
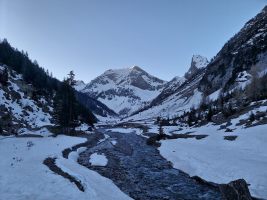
(210, 114)
(71, 78)
(68, 111)
(253, 89)
(65, 103)
(158, 120)
(252, 117)
(4, 77)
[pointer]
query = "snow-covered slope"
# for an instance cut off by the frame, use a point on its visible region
(124, 90)
(79, 85)
(178, 95)
(219, 160)
(100, 110)
(17, 107)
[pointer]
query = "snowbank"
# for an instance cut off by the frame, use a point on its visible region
(222, 161)
(24, 176)
(98, 159)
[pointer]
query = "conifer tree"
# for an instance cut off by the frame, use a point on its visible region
(4, 77)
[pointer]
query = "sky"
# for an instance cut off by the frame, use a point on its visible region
(91, 36)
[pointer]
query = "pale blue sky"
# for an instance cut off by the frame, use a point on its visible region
(91, 36)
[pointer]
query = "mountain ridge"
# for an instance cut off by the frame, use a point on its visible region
(124, 90)
(243, 57)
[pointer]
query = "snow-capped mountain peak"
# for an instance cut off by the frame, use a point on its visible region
(197, 63)
(124, 90)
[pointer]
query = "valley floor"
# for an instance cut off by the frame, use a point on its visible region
(116, 163)
(221, 156)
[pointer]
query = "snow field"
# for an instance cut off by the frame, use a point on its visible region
(23, 175)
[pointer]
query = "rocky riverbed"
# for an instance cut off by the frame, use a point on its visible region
(141, 172)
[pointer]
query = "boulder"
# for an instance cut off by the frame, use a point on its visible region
(235, 190)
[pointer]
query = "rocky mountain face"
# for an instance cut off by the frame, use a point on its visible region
(243, 57)
(198, 62)
(100, 110)
(244, 51)
(124, 90)
(196, 70)
(179, 94)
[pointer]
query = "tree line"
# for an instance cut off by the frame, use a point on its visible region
(68, 112)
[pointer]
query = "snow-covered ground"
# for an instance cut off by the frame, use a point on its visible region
(84, 127)
(24, 176)
(218, 160)
(173, 105)
(98, 159)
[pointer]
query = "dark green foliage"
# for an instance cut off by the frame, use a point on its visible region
(210, 114)
(68, 112)
(228, 110)
(158, 120)
(165, 122)
(252, 117)
(4, 77)
(257, 89)
(32, 73)
(192, 119)
(155, 139)
(161, 130)
(92, 104)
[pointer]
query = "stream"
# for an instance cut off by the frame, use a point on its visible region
(141, 172)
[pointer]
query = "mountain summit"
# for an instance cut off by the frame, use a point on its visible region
(124, 90)
(198, 62)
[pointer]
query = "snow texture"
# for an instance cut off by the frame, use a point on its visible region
(97, 159)
(218, 160)
(24, 176)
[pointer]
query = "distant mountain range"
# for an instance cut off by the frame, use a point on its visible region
(129, 90)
